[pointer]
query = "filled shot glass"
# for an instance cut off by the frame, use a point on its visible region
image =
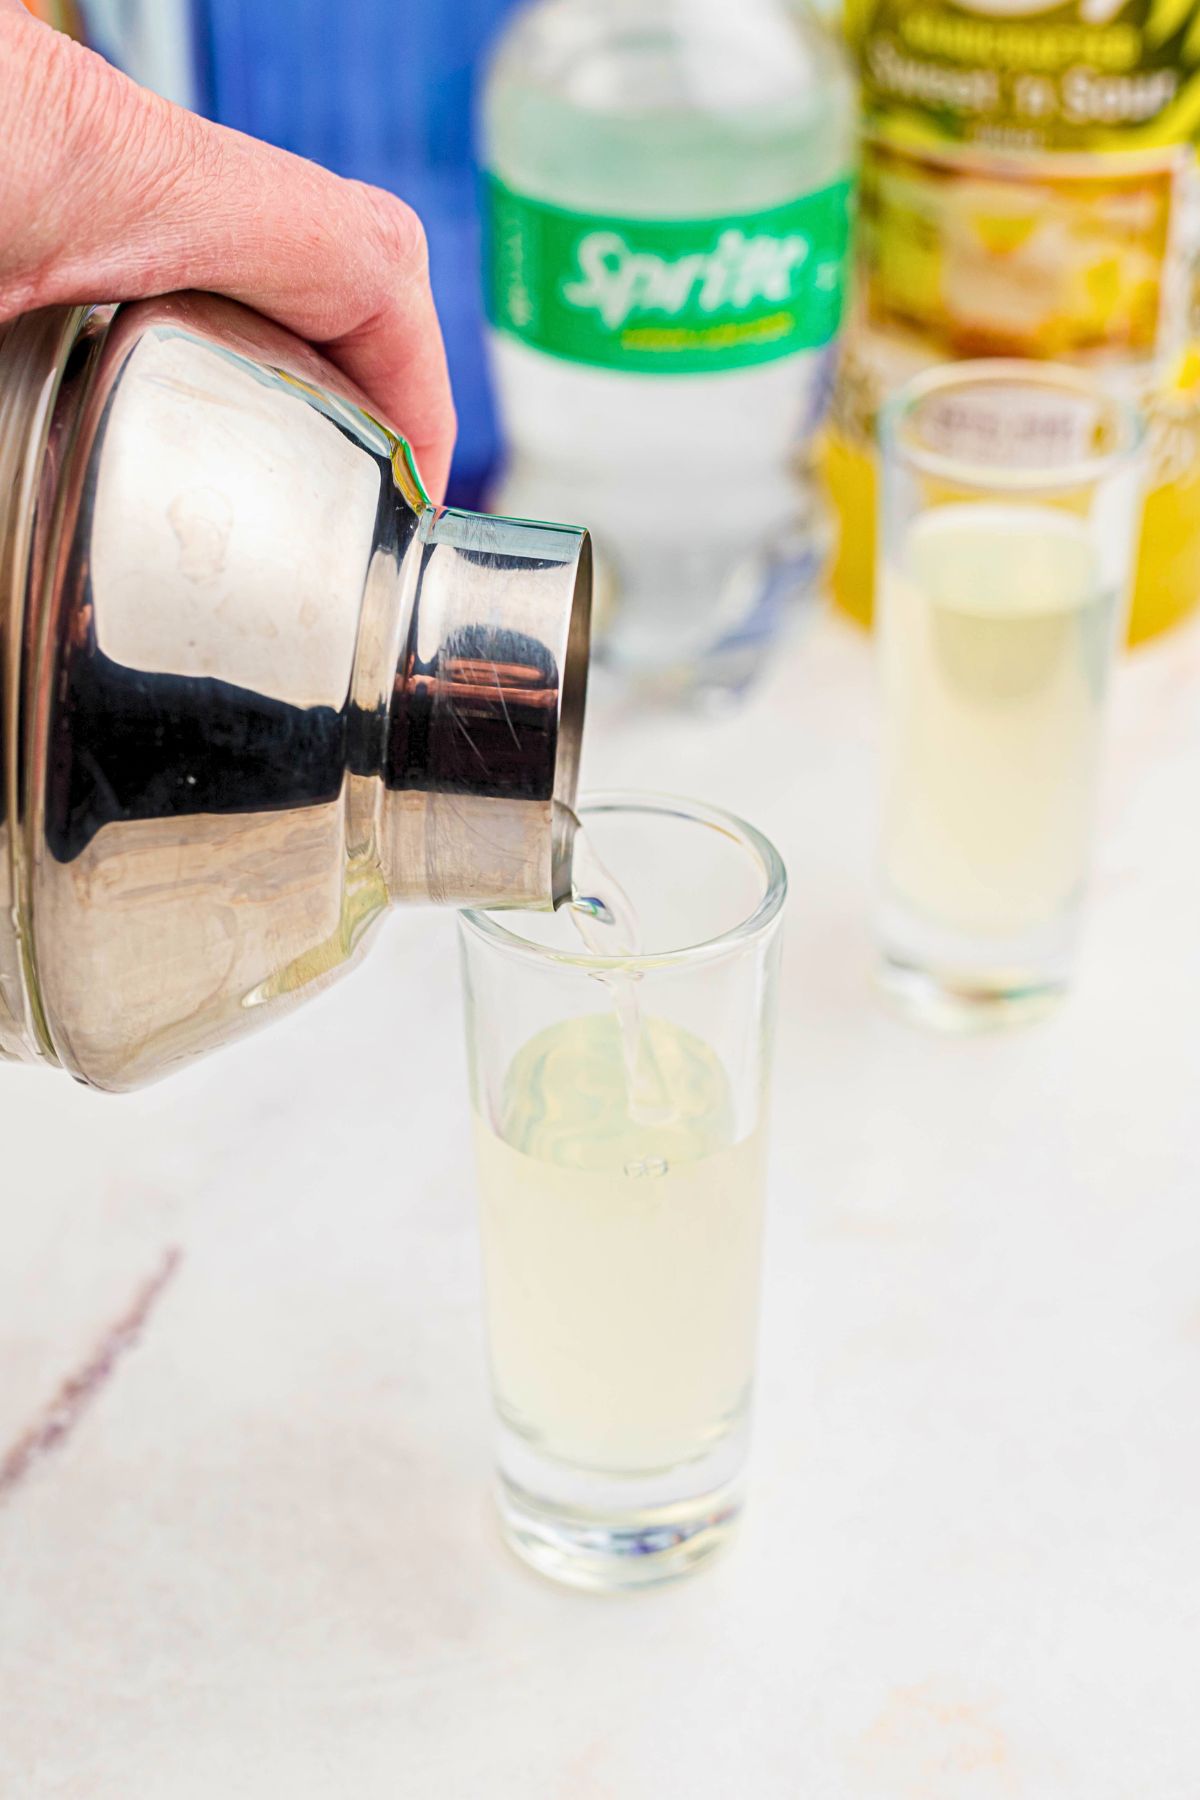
(619, 1090)
(1010, 511)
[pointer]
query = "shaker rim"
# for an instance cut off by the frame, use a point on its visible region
(755, 924)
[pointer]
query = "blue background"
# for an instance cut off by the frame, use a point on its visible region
(382, 90)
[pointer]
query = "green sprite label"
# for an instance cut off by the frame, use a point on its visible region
(663, 297)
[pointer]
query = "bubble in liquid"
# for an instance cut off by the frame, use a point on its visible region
(647, 1166)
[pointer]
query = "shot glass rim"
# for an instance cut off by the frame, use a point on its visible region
(765, 912)
(997, 370)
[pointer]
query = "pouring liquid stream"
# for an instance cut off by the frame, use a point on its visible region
(606, 920)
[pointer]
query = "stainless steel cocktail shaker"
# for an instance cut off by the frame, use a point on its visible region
(253, 689)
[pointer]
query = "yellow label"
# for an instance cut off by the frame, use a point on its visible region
(991, 224)
(1024, 75)
(999, 258)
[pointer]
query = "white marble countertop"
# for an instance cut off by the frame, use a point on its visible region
(245, 1545)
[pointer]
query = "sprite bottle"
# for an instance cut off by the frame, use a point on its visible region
(667, 207)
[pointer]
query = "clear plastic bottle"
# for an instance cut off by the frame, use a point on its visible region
(668, 193)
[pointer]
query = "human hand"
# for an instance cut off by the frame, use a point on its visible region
(108, 192)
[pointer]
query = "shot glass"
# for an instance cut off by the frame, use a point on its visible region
(619, 1105)
(1010, 511)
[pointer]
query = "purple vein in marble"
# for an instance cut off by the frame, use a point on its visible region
(59, 1418)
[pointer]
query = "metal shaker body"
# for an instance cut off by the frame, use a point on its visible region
(253, 688)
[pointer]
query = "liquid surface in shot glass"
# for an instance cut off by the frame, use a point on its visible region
(997, 635)
(621, 1222)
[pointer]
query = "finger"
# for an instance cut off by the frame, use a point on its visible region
(117, 195)
(398, 351)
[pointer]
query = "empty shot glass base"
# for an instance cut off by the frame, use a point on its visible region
(963, 1004)
(609, 1531)
(634, 1550)
(953, 982)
